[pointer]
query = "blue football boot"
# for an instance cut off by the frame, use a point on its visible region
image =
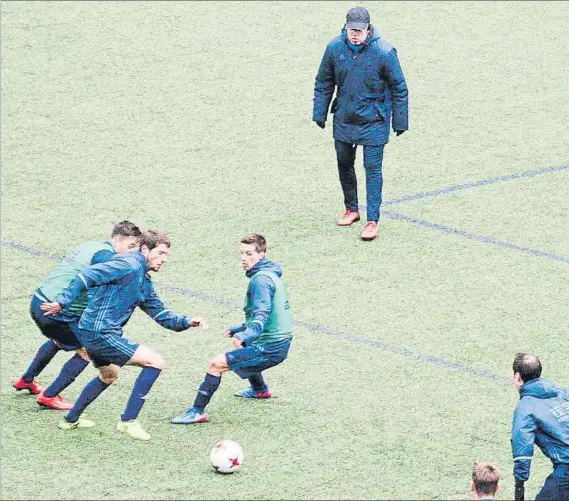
(190, 416)
(251, 393)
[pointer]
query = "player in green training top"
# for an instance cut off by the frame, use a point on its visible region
(261, 342)
(60, 329)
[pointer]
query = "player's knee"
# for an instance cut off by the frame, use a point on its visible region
(216, 365)
(108, 378)
(108, 375)
(158, 361)
(211, 366)
(83, 354)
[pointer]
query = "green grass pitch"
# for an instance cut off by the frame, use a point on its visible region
(195, 118)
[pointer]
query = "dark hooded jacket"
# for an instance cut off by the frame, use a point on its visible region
(370, 90)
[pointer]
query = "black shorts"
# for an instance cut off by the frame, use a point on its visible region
(57, 330)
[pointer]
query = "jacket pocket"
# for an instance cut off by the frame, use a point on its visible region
(380, 111)
(365, 111)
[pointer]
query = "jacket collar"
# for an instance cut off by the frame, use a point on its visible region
(110, 242)
(138, 255)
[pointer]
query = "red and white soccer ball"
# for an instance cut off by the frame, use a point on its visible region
(226, 456)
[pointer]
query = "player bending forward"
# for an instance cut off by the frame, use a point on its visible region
(115, 289)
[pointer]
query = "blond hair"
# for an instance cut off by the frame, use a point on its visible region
(485, 477)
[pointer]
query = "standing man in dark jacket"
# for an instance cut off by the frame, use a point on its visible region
(370, 87)
(541, 417)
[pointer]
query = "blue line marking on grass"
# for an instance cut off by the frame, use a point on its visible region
(475, 184)
(472, 236)
(398, 350)
(31, 250)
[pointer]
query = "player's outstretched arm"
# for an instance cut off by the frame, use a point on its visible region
(66, 297)
(199, 322)
(92, 276)
(231, 331)
(155, 309)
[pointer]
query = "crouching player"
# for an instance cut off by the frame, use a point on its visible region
(263, 341)
(115, 289)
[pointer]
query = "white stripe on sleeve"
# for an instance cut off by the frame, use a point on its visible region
(161, 313)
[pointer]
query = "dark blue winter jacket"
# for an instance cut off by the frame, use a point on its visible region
(114, 290)
(370, 88)
(541, 417)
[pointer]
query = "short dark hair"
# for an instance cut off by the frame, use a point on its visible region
(485, 477)
(126, 229)
(528, 366)
(256, 239)
(153, 238)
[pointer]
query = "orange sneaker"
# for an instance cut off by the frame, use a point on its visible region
(369, 231)
(348, 218)
(53, 402)
(33, 387)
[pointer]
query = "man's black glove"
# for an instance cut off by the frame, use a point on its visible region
(520, 490)
(399, 132)
(321, 123)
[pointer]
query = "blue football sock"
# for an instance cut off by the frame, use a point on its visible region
(43, 357)
(258, 383)
(91, 391)
(71, 369)
(207, 389)
(142, 386)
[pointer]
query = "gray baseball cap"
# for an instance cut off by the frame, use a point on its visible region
(357, 19)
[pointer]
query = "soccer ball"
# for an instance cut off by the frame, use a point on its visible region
(226, 456)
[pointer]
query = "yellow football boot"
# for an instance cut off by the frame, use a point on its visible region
(80, 423)
(133, 429)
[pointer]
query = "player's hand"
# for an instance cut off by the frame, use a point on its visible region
(237, 343)
(50, 308)
(198, 322)
(228, 332)
(321, 123)
(399, 132)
